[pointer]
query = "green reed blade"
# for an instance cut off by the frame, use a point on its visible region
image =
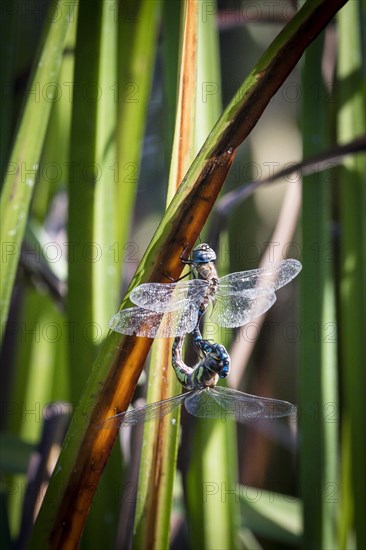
(318, 372)
(352, 204)
(22, 168)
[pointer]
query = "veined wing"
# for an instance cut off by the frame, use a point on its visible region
(272, 276)
(238, 309)
(201, 403)
(143, 414)
(137, 321)
(249, 408)
(162, 297)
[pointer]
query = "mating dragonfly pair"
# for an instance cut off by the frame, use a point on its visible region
(175, 309)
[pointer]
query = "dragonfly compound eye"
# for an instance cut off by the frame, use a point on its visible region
(203, 254)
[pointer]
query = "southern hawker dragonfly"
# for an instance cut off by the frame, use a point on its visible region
(174, 309)
(204, 398)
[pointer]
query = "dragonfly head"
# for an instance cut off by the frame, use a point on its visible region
(203, 254)
(218, 360)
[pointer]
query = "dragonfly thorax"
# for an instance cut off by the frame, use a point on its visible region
(203, 268)
(206, 271)
(215, 365)
(202, 263)
(203, 376)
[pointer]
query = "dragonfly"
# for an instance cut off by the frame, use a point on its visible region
(164, 310)
(204, 398)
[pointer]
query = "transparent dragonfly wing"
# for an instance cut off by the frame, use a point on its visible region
(245, 407)
(136, 321)
(147, 413)
(272, 276)
(162, 297)
(238, 309)
(200, 403)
